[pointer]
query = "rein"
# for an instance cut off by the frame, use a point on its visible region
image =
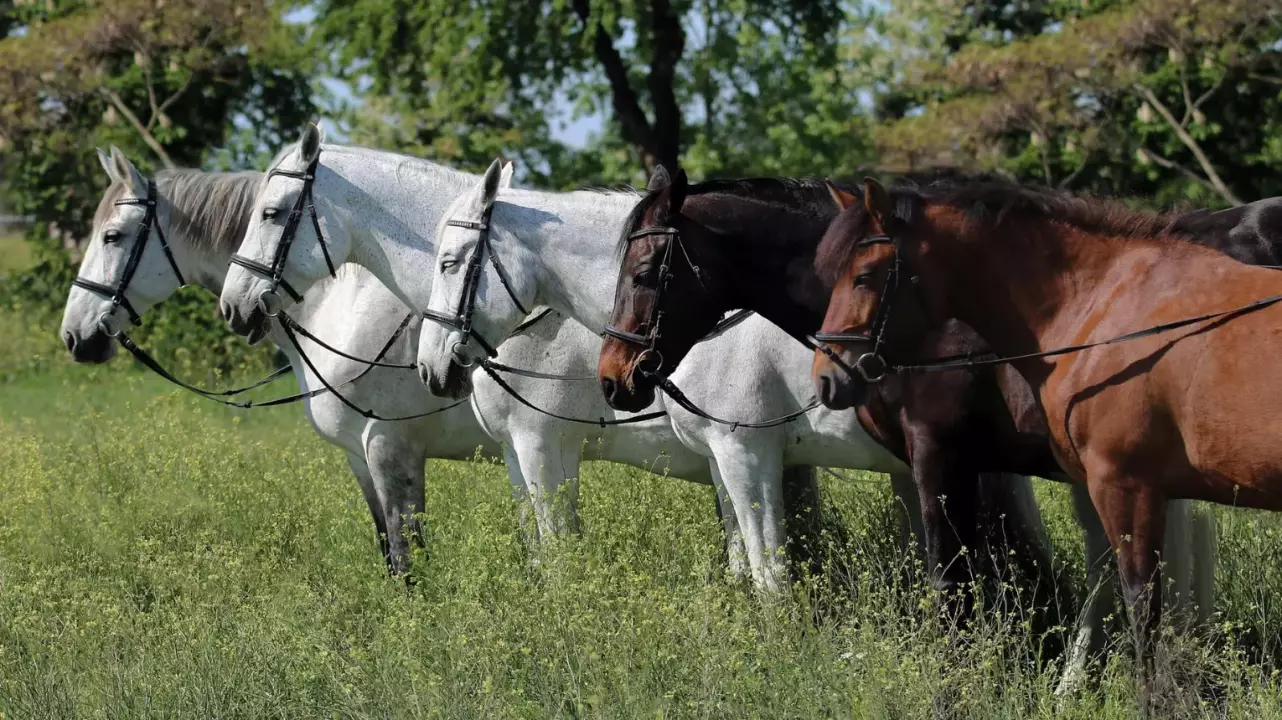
(218, 395)
(943, 364)
(821, 341)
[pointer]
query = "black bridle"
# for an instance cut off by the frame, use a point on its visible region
(461, 320)
(116, 294)
(269, 300)
(871, 366)
(650, 340)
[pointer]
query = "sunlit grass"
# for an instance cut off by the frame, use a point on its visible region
(163, 557)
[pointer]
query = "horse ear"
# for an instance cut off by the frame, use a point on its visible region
(505, 177)
(310, 142)
(841, 197)
(878, 202)
(105, 161)
(492, 182)
(659, 179)
(677, 191)
(128, 174)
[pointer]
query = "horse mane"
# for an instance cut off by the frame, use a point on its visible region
(210, 209)
(990, 203)
(794, 194)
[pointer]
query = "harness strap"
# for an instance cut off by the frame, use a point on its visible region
(943, 364)
(599, 422)
(368, 414)
(680, 398)
(376, 362)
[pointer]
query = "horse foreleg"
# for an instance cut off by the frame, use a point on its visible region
(1134, 517)
(736, 550)
(752, 475)
(366, 482)
(1204, 562)
(947, 494)
(550, 470)
(912, 533)
(396, 464)
(1089, 641)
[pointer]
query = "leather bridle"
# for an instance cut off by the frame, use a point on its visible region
(871, 366)
(116, 295)
(269, 300)
(649, 341)
(461, 319)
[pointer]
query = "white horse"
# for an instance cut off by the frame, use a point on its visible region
(558, 249)
(378, 209)
(202, 217)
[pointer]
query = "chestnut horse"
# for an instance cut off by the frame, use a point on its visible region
(1187, 412)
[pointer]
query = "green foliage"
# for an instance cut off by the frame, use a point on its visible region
(184, 82)
(1170, 100)
(758, 84)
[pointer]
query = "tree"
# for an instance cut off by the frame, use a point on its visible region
(1170, 98)
(164, 79)
(719, 83)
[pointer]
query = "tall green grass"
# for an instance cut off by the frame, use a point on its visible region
(160, 557)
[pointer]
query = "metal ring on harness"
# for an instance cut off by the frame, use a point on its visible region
(108, 323)
(871, 376)
(466, 354)
(270, 303)
(648, 353)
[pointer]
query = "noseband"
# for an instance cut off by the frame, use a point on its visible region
(117, 294)
(871, 366)
(269, 301)
(461, 320)
(650, 340)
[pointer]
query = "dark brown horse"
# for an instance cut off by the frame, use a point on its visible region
(1195, 412)
(754, 243)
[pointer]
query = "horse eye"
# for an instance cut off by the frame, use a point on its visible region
(448, 264)
(111, 236)
(643, 275)
(863, 279)
(269, 213)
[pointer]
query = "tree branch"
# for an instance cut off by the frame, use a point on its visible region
(1217, 183)
(1172, 165)
(1067, 182)
(627, 108)
(147, 137)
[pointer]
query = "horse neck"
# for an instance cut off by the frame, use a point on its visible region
(768, 261)
(572, 238)
(1026, 285)
(399, 203)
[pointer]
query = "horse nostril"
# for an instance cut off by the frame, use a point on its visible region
(225, 309)
(608, 388)
(826, 388)
(423, 374)
(69, 340)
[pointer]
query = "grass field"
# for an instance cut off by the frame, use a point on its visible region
(160, 557)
